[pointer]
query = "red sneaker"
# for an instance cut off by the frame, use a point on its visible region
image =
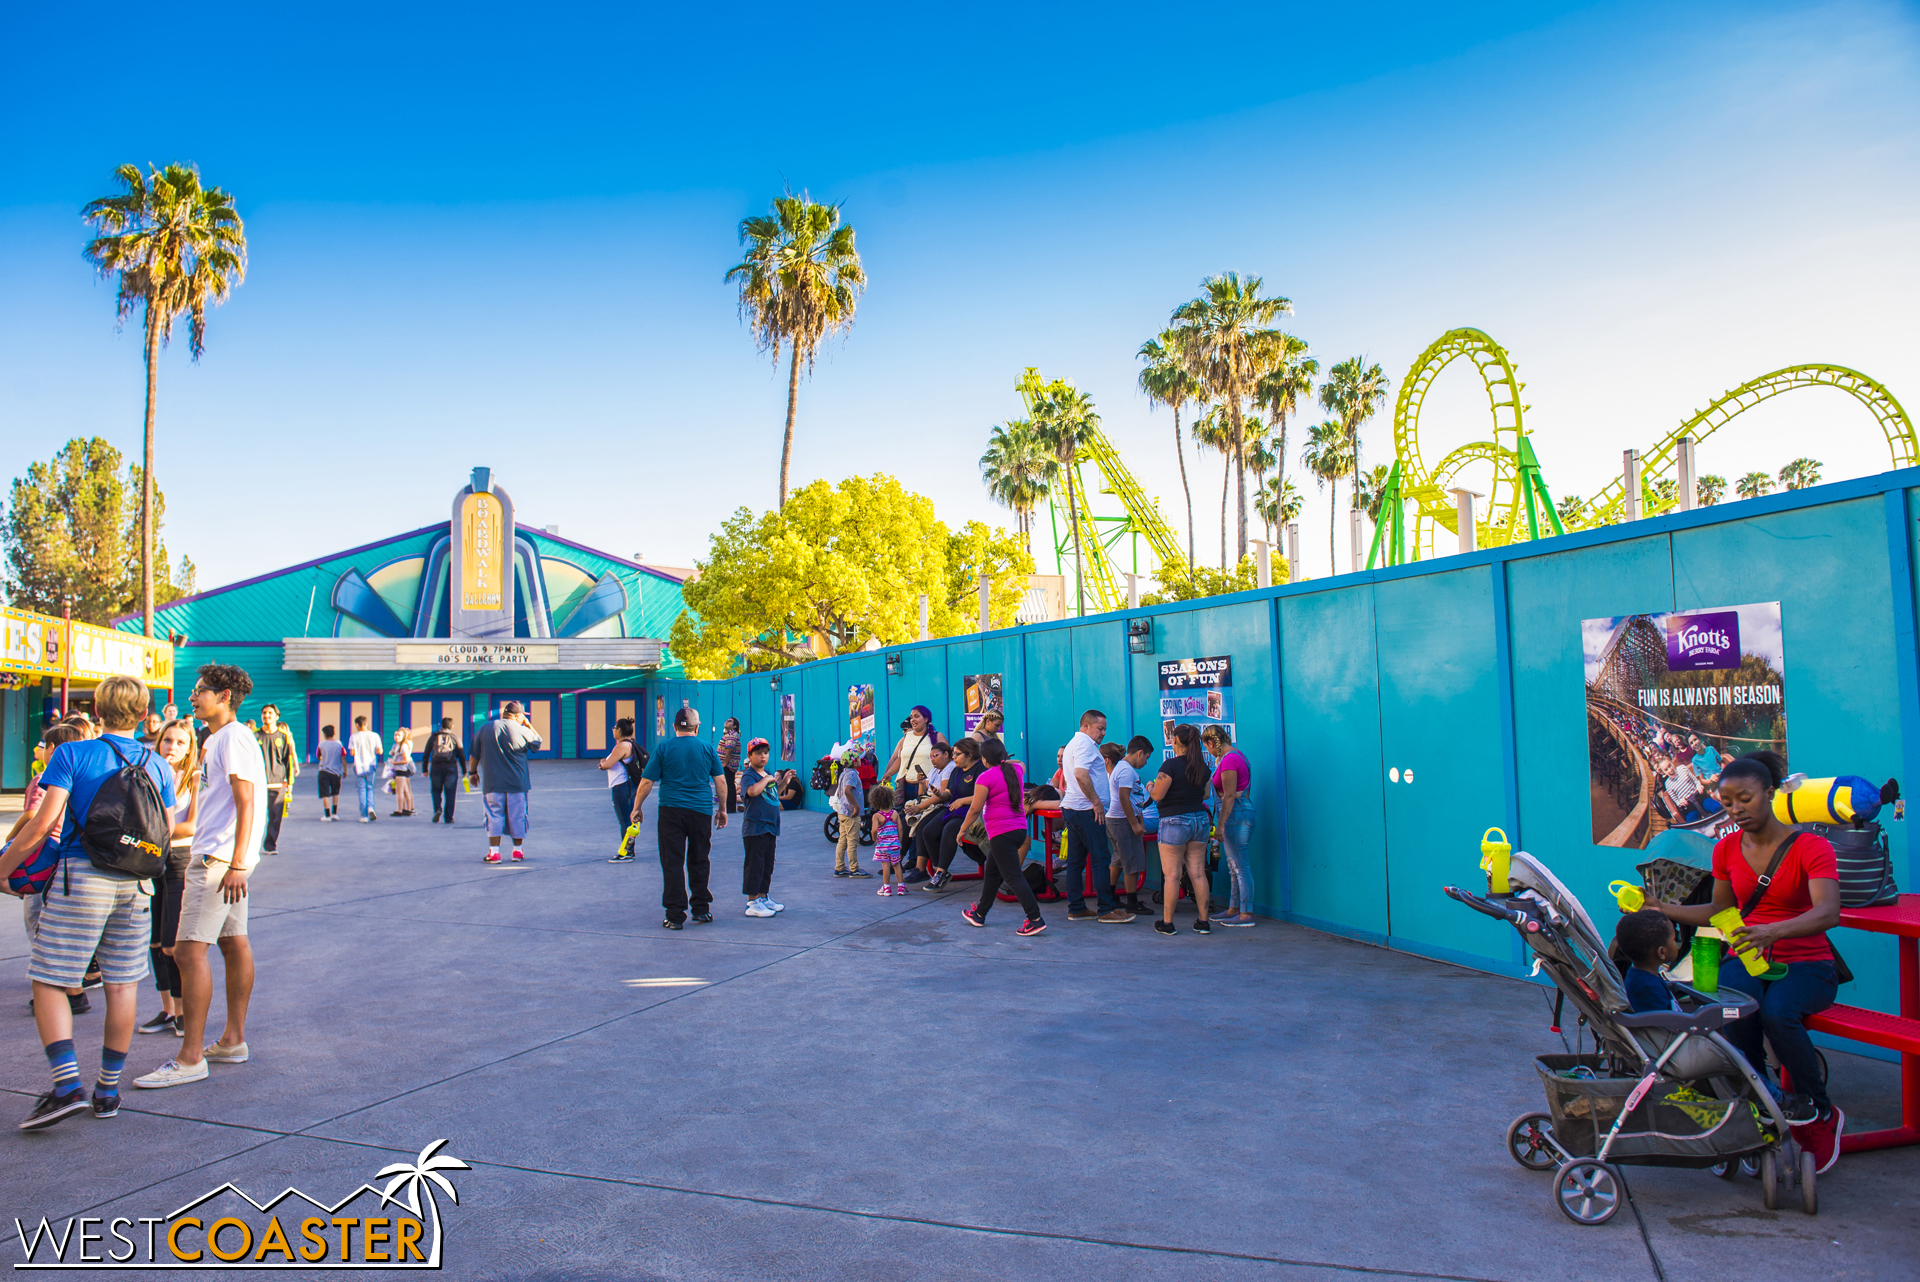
(973, 918)
(1822, 1139)
(518, 857)
(493, 856)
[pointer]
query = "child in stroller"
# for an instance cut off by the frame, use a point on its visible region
(1660, 1088)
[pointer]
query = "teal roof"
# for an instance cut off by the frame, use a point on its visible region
(298, 601)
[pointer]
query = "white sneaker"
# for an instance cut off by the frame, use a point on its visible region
(758, 908)
(218, 1054)
(768, 901)
(172, 1073)
(364, 819)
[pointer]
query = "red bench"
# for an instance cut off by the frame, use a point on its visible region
(1876, 1028)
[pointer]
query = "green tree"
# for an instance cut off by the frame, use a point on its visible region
(1372, 490)
(72, 528)
(800, 280)
(1572, 510)
(1262, 457)
(1353, 391)
(1229, 344)
(1662, 494)
(1800, 473)
(1019, 471)
(178, 249)
(1710, 490)
(1280, 503)
(1204, 580)
(835, 568)
(1284, 388)
(1327, 456)
(1753, 485)
(1167, 381)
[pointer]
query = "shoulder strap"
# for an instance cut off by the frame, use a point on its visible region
(1773, 866)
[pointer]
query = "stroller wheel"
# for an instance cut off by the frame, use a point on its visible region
(1809, 1171)
(1770, 1179)
(1530, 1142)
(1587, 1191)
(832, 828)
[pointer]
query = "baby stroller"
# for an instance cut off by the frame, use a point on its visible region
(1662, 1088)
(869, 772)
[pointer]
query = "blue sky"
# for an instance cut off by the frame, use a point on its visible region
(480, 235)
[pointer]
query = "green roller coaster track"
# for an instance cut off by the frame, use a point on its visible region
(1101, 534)
(1518, 504)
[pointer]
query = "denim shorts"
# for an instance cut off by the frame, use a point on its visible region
(1183, 830)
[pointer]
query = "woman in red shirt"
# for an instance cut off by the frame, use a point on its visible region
(1789, 923)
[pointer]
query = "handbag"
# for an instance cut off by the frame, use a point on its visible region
(1842, 973)
(1864, 864)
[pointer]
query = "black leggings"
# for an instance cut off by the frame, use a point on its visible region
(1003, 866)
(950, 843)
(168, 890)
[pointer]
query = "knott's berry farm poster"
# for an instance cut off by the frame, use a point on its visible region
(1671, 698)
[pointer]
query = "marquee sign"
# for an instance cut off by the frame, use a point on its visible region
(481, 604)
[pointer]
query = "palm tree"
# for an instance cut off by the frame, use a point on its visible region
(1167, 381)
(1262, 458)
(1326, 457)
(1354, 390)
(800, 280)
(420, 1177)
(178, 248)
(1753, 485)
(1372, 493)
(1572, 510)
(1228, 343)
(1213, 431)
(1061, 415)
(1709, 490)
(1284, 388)
(1800, 473)
(1020, 471)
(1280, 503)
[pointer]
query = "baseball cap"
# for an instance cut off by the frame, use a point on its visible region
(754, 745)
(683, 718)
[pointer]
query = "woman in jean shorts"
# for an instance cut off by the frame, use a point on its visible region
(1180, 795)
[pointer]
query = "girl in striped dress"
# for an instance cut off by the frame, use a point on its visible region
(886, 840)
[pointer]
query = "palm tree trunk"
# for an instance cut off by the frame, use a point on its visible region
(1226, 483)
(1333, 507)
(1280, 477)
(146, 472)
(1240, 473)
(1180, 453)
(793, 402)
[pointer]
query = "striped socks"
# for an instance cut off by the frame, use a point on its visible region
(111, 1064)
(65, 1065)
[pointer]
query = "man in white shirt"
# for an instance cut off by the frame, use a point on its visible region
(364, 747)
(1085, 801)
(229, 828)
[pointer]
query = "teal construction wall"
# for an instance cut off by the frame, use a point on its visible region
(1467, 670)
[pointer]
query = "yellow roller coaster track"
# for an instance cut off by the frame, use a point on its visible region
(1518, 506)
(1098, 534)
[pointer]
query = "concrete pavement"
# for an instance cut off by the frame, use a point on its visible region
(866, 1087)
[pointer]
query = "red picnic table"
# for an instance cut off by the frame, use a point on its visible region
(1876, 1028)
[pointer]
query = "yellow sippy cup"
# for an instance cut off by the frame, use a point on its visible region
(1495, 858)
(1629, 896)
(1728, 920)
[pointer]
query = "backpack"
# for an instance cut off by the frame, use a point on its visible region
(440, 747)
(822, 778)
(636, 763)
(127, 827)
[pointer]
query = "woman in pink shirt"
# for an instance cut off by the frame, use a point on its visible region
(999, 804)
(1232, 779)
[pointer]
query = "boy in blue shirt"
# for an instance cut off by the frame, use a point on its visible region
(761, 831)
(1643, 942)
(87, 910)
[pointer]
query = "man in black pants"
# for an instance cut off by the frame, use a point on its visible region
(283, 767)
(691, 780)
(446, 762)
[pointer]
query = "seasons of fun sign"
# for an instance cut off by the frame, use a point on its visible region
(1671, 698)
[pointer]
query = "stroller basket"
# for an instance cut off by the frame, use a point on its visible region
(1673, 1125)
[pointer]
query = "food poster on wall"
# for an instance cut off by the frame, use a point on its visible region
(1196, 692)
(786, 727)
(859, 712)
(1671, 698)
(982, 693)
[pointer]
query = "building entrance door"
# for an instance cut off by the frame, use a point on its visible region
(338, 708)
(543, 710)
(423, 713)
(599, 711)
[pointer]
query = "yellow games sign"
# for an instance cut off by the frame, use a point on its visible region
(32, 642)
(99, 653)
(483, 559)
